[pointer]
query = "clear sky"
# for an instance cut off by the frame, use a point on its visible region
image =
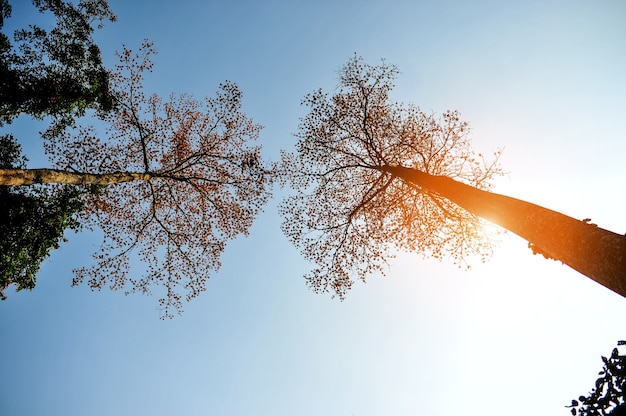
(545, 80)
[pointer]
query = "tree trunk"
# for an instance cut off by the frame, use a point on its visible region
(20, 177)
(595, 252)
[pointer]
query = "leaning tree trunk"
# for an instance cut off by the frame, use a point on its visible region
(22, 177)
(595, 252)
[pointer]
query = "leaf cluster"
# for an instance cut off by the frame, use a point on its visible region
(349, 215)
(32, 222)
(56, 72)
(607, 398)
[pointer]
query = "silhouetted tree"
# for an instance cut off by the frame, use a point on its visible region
(607, 398)
(372, 175)
(175, 181)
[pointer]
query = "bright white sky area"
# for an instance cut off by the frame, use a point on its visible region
(519, 335)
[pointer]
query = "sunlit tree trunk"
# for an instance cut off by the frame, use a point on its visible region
(595, 252)
(20, 177)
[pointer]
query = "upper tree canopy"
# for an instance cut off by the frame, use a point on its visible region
(56, 72)
(373, 176)
(350, 212)
(182, 178)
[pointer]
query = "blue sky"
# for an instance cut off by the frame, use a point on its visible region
(544, 80)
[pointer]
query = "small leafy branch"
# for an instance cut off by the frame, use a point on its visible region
(607, 398)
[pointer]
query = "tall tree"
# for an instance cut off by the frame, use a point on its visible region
(372, 175)
(607, 398)
(176, 180)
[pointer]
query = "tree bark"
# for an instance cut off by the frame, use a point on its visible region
(593, 251)
(21, 177)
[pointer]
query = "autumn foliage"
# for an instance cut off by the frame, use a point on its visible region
(373, 176)
(199, 183)
(349, 213)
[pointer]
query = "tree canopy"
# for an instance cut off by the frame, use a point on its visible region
(56, 72)
(174, 181)
(349, 214)
(373, 176)
(53, 72)
(32, 223)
